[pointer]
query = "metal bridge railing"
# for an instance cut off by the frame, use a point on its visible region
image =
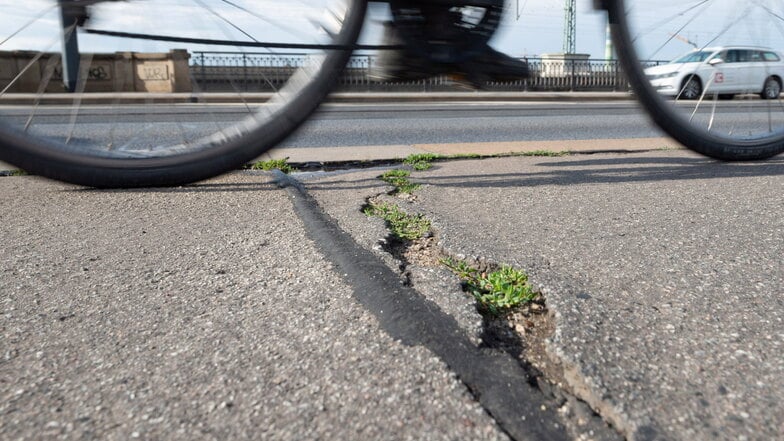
(262, 72)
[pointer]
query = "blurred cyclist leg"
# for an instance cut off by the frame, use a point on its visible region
(442, 31)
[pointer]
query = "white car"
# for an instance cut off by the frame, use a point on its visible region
(725, 71)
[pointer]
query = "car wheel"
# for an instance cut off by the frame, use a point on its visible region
(691, 88)
(772, 89)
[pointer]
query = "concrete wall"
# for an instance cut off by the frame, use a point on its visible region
(118, 72)
(563, 65)
(265, 72)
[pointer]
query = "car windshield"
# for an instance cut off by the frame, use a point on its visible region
(694, 57)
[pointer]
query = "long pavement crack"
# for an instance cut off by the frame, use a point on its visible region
(520, 332)
(497, 380)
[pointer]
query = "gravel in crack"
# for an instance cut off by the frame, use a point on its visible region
(422, 252)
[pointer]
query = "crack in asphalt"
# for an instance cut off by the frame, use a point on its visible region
(576, 414)
(495, 379)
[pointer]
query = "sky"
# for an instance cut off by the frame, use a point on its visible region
(537, 29)
(530, 28)
(534, 27)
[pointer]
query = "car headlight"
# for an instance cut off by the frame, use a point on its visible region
(662, 76)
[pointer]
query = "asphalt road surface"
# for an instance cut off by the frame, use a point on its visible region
(469, 122)
(204, 312)
(359, 124)
(662, 271)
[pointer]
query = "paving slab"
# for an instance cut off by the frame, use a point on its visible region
(206, 312)
(663, 272)
(344, 195)
(333, 155)
(356, 154)
(200, 312)
(557, 146)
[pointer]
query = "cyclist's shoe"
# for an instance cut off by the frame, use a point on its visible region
(493, 66)
(398, 64)
(488, 65)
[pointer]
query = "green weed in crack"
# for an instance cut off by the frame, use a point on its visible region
(273, 164)
(402, 225)
(497, 292)
(421, 161)
(545, 153)
(399, 179)
(514, 316)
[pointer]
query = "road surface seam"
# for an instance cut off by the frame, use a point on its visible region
(496, 380)
(575, 413)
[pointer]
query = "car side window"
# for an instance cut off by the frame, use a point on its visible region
(770, 56)
(739, 56)
(719, 56)
(744, 56)
(731, 56)
(756, 56)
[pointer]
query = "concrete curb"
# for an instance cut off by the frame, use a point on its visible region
(362, 156)
(479, 96)
(339, 97)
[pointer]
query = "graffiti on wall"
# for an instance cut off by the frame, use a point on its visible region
(98, 72)
(153, 72)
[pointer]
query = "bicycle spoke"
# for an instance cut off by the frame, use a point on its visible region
(289, 29)
(231, 82)
(27, 67)
(27, 25)
(710, 98)
(138, 101)
(728, 26)
(84, 71)
(224, 19)
(51, 64)
(658, 25)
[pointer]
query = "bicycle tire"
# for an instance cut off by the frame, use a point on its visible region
(230, 145)
(741, 129)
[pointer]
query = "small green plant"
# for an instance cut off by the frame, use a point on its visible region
(421, 161)
(497, 291)
(18, 173)
(544, 153)
(394, 176)
(461, 269)
(399, 179)
(273, 164)
(465, 156)
(402, 225)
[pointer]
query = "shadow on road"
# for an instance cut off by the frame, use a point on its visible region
(560, 171)
(613, 170)
(199, 187)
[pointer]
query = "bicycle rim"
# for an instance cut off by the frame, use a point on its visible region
(709, 72)
(232, 80)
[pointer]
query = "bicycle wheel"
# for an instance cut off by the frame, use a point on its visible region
(167, 92)
(709, 72)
